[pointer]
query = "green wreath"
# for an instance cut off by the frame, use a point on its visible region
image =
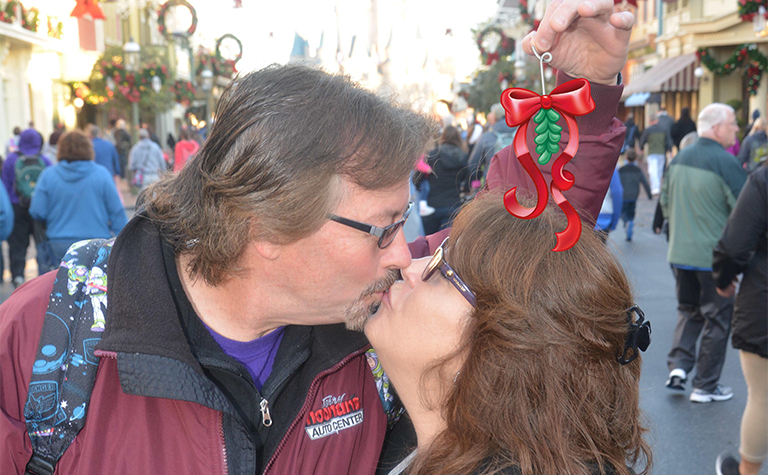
(239, 44)
(178, 3)
(506, 46)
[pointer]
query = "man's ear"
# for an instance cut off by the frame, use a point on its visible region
(268, 250)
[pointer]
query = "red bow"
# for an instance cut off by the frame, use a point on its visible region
(570, 99)
(90, 7)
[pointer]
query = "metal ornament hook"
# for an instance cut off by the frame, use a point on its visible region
(543, 58)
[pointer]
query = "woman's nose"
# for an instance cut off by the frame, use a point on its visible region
(412, 273)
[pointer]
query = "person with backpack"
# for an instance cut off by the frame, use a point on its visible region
(498, 136)
(20, 173)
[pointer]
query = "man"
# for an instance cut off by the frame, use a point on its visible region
(698, 194)
(224, 349)
(488, 145)
(659, 143)
(122, 144)
(105, 154)
(665, 121)
(30, 146)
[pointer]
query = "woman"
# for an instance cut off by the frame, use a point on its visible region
(185, 148)
(77, 198)
(449, 165)
(753, 148)
(513, 367)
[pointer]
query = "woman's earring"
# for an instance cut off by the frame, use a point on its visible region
(457, 376)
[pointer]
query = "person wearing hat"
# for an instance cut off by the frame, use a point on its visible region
(77, 198)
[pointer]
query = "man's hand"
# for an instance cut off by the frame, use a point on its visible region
(586, 38)
(727, 292)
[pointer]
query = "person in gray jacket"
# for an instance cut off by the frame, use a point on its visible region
(146, 160)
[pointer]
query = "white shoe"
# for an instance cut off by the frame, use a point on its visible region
(676, 380)
(425, 209)
(720, 393)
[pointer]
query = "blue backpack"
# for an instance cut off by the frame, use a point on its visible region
(65, 367)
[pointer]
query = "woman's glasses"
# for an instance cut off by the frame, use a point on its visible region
(438, 263)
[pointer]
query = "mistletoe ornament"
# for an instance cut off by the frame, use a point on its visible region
(566, 101)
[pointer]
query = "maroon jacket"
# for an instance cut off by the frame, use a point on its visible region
(165, 401)
(601, 136)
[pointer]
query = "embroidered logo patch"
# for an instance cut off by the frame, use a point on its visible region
(335, 416)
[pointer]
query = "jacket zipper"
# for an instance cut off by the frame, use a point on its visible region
(266, 417)
(308, 401)
(225, 470)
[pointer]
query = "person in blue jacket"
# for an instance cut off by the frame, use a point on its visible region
(77, 198)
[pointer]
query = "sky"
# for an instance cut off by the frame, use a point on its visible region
(254, 22)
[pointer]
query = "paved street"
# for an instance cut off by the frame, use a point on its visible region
(686, 437)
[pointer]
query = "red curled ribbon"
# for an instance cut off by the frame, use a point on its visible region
(570, 99)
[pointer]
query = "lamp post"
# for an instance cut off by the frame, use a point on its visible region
(206, 76)
(132, 60)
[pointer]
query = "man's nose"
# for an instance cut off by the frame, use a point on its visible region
(397, 255)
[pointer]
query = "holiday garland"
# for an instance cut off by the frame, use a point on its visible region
(132, 84)
(524, 13)
(178, 3)
(184, 91)
(505, 48)
(29, 17)
(749, 8)
(746, 54)
(225, 68)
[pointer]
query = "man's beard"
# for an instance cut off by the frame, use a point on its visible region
(358, 312)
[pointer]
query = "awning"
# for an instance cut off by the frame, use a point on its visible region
(669, 75)
(637, 99)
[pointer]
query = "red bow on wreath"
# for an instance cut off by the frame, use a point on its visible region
(90, 7)
(569, 100)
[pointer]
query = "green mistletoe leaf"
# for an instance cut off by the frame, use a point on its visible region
(547, 134)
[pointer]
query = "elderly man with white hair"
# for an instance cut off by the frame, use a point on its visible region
(697, 196)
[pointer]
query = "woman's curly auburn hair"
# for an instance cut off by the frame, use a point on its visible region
(540, 388)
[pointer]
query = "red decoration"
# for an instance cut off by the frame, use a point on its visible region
(87, 7)
(570, 99)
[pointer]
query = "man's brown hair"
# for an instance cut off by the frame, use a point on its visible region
(271, 167)
(540, 388)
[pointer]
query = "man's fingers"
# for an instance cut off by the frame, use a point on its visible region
(545, 36)
(622, 20)
(527, 42)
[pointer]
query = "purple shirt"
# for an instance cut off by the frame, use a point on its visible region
(257, 355)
